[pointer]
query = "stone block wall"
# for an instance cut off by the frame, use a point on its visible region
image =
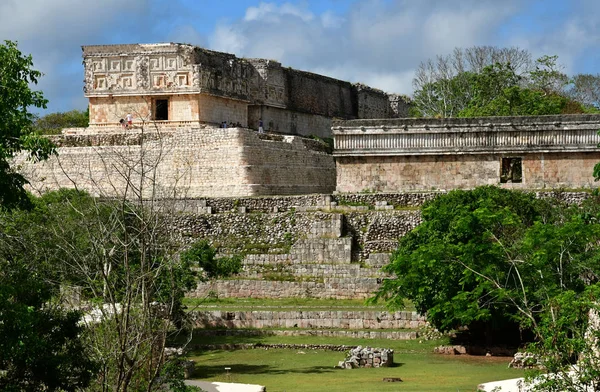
(322, 319)
(533, 152)
(184, 163)
(372, 103)
(105, 110)
(414, 173)
(289, 122)
(215, 110)
(447, 172)
(337, 288)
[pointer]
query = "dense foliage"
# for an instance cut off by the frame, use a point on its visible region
(16, 122)
(116, 258)
(54, 123)
(488, 81)
(491, 257)
(203, 255)
(40, 347)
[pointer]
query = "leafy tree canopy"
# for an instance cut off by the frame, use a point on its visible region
(16, 122)
(53, 123)
(493, 257)
(487, 81)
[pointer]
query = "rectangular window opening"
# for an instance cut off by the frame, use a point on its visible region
(511, 170)
(161, 109)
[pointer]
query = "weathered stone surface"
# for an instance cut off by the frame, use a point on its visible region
(204, 86)
(312, 319)
(367, 357)
(184, 163)
(442, 154)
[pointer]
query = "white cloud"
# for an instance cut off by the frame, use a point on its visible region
(271, 13)
(379, 43)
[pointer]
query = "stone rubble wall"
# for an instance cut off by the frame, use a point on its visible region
(334, 319)
(368, 357)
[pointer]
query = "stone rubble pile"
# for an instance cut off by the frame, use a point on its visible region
(525, 360)
(367, 357)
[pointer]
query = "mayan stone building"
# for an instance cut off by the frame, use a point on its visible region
(178, 96)
(184, 85)
(533, 152)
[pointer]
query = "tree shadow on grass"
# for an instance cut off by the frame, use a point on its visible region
(203, 371)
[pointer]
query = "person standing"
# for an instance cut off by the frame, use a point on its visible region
(129, 119)
(260, 126)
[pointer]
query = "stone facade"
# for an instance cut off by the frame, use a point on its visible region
(181, 163)
(183, 84)
(442, 154)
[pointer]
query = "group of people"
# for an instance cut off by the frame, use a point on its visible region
(127, 122)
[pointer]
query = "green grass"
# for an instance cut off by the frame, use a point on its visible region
(313, 370)
(287, 304)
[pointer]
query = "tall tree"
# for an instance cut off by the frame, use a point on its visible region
(53, 123)
(487, 81)
(41, 347)
(16, 121)
(443, 86)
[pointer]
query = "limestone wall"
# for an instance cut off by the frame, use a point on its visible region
(322, 319)
(447, 172)
(184, 162)
(342, 288)
(443, 154)
(289, 122)
(215, 110)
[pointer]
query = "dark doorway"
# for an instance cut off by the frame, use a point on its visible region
(161, 109)
(511, 170)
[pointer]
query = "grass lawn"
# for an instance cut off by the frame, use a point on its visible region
(313, 370)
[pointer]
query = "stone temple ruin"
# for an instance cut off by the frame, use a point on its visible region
(185, 86)
(178, 97)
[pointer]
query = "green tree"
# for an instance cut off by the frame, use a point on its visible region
(204, 256)
(500, 88)
(54, 123)
(490, 258)
(16, 122)
(40, 349)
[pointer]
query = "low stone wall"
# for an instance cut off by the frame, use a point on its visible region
(305, 271)
(378, 334)
(250, 346)
(295, 202)
(342, 288)
(334, 319)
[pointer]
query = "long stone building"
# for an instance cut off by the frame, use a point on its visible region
(184, 85)
(533, 152)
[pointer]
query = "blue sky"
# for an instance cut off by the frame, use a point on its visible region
(376, 42)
